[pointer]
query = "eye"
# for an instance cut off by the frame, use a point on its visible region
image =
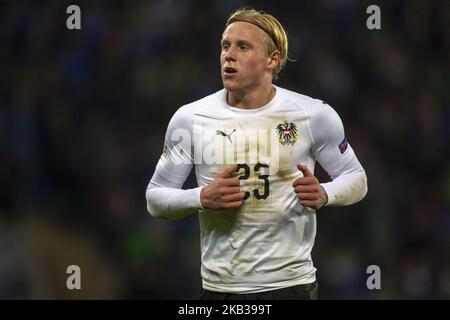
(243, 47)
(225, 46)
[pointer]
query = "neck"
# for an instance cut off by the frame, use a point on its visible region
(253, 99)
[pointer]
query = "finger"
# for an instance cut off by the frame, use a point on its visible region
(305, 181)
(230, 190)
(235, 204)
(228, 172)
(231, 182)
(307, 188)
(233, 197)
(309, 203)
(307, 196)
(304, 169)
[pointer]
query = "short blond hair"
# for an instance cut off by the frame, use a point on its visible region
(276, 37)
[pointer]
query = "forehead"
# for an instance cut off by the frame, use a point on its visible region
(241, 30)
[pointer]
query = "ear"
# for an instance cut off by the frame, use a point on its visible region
(273, 60)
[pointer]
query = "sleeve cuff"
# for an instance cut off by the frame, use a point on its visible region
(199, 192)
(330, 194)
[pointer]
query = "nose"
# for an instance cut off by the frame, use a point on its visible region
(230, 55)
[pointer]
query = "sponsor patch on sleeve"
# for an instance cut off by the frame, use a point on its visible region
(343, 145)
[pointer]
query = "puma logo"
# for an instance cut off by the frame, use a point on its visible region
(221, 133)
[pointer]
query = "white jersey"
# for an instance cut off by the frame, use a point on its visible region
(265, 244)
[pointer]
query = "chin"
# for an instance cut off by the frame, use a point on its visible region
(230, 86)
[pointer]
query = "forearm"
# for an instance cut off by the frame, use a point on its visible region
(346, 189)
(172, 203)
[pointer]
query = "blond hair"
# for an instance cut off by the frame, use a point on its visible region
(276, 38)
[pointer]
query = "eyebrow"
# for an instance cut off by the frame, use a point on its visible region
(239, 42)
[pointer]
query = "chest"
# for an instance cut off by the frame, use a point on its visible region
(274, 143)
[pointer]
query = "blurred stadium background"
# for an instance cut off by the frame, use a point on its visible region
(83, 115)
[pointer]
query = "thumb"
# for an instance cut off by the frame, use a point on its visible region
(304, 169)
(228, 172)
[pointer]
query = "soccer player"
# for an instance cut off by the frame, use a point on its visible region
(254, 146)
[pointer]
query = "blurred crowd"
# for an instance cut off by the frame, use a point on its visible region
(83, 115)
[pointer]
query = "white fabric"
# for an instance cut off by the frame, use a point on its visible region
(266, 244)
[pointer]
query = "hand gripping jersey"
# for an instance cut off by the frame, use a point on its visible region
(265, 244)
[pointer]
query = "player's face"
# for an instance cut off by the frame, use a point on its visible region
(244, 61)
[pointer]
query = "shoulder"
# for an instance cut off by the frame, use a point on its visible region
(322, 120)
(296, 97)
(186, 114)
(314, 109)
(202, 105)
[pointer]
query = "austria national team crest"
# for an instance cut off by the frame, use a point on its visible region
(287, 133)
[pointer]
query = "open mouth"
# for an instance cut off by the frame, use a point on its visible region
(229, 70)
